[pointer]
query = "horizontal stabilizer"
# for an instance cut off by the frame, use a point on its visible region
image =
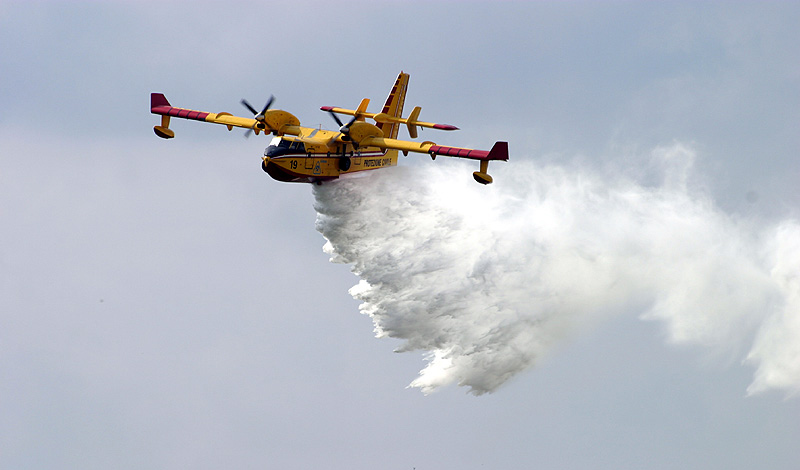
(383, 118)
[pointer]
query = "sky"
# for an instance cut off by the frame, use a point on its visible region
(624, 295)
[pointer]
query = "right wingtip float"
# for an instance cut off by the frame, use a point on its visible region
(311, 155)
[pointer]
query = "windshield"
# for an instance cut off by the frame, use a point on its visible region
(280, 146)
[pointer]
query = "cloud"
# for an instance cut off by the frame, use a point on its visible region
(487, 280)
(776, 350)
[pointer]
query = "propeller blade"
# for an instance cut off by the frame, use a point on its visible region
(251, 130)
(267, 106)
(249, 108)
(336, 118)
(355, 118)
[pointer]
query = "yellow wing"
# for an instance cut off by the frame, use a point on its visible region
(271, 120)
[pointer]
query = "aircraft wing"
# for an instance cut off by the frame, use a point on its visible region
(498, 152)
(274, 120)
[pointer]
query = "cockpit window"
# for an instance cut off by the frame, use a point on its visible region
(280, 147)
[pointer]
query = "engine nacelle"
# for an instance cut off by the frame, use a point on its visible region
(360, 130)
(277, 119)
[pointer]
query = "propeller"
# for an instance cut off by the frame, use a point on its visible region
(259, 117)
(345, 129)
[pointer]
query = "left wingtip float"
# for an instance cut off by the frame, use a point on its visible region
(311, 155)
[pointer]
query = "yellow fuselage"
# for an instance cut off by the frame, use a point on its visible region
(289, 160)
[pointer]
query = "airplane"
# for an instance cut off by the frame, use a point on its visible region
(314, 155)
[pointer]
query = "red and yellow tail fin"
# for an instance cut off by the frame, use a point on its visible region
(394, 106)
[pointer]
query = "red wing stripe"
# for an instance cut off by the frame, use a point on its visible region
(160, 109)
(459, 152)
(180, 112)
